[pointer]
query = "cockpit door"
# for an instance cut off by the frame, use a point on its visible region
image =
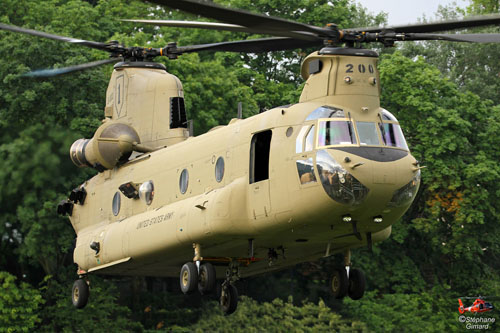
(259, 202)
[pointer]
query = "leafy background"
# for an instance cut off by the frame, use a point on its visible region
(446, 96)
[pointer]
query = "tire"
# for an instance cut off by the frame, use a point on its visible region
(229, 299)
(357, 283)
(339, 283)
(206, 279)
(80, 294)
(188, 278)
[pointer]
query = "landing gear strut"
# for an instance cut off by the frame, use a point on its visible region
(201, 273)
(348, 281)
(197, 274)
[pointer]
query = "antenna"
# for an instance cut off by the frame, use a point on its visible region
(240, 110)
(191, 127)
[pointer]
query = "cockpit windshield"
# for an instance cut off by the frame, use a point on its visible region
(391, 131)
(336, 128)
(336, 133)
(368, 134)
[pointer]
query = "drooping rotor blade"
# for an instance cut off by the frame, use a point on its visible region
(195, 24)
(470, 22)
(59, 71)
(250, 45)
(227, 27)
(389, 37)
(471, 38)
(268, 24)
(94, 45)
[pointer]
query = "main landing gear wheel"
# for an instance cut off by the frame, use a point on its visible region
(189, 277)
(228, 298)
(340, 283)
(357, 283)
(206, 279)
(80, 293)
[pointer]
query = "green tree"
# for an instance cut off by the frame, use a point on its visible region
(275, 316)
(472, 66)
(19, 305)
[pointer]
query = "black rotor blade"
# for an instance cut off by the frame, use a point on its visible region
(60, 71)
(471, 38)
(250, 45)
(195, 24)
(273, 25)
(94, 45)
(228, 27)
(470, 22)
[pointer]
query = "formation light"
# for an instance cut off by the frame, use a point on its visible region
(347, 218)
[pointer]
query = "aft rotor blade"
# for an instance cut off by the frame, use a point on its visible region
(70, 69)
(94, 45)
(471, 38)
(269, 24)
(470, 22)
(250, 45)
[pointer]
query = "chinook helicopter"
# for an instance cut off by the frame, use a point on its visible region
(326, 175)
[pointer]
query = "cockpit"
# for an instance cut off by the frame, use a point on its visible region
(336, 128)
(380, 141)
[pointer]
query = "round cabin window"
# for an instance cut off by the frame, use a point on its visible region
(147, 192)
(116, 203)
(219, 169)
(184, 181)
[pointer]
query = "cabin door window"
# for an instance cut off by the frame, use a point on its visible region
(259, 156)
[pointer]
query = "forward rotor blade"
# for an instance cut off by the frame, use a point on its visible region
(70, 69)
(250, 46)
(195, 24)
(91, 44)
(268, 24)
(470, 22)
(471, 38)
(227, 27)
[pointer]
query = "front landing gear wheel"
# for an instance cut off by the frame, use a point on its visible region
(189, 277)
(80, 293)
(206, 280)
(357, 283)
(340, 283)
(229, 298)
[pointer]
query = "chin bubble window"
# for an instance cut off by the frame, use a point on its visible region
(184, 181)
(405, 195)
(147, 192)
(338, 183)
(219, 169)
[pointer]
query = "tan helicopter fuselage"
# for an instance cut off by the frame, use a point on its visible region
(273, 189)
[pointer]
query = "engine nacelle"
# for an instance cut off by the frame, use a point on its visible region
(113, 142)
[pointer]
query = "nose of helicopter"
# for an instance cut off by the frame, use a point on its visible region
(375, 180)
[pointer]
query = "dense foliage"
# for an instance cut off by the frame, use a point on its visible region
(446, 97)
